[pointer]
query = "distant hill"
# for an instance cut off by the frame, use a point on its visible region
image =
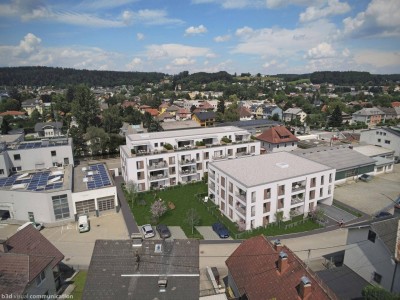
(62, 77)
(352, 77)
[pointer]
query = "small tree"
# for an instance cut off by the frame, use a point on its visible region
(157, 209)
(336, 119)
(192, 218)
(279, 217)
(131, 189)
(371, 292)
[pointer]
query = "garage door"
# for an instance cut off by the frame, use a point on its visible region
(85, 207)
(106, 203)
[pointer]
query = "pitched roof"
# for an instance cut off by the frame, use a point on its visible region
(253, 266)
(244, 112)
(113, 258)
(205, 105)
(28, 254)
(293, 111)
(202, 116)
(183, 111)
(276, 135)
(40, 126)
(396, 104)
(152, 111)
(12, 113)
(369, 111)
(388, 231)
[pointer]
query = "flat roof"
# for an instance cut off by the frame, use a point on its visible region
(372, 150)
(44, 143)
(46, 180)
(183, 133)
(338, 157)
(262, 169)
(187, 124)
(91, 176)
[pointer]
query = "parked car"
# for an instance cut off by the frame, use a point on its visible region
(38, 226)
(147, 231)
(365, 177)
(163, 230)
(221, 230)
(382, 214)
(83, 224)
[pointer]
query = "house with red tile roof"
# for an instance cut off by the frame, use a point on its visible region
(277, 139)
(396, 104)
(29, 265)
(152, 111)
(245, 114)
(259, 269)
(183, 114)
(15, 114)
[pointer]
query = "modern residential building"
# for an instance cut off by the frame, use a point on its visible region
(156, 269)
(29, 266)
(349, 164)
(277, 139)
(251, 190)
(388, 137)
(205, 118)
(375, 252)
(369, 116)
(33, 155)
(259, 269)
(159, 159)
(293, 114)
(58, 194)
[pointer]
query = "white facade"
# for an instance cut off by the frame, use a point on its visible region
(279, 147)
(385, 137)
(146, 162)
(294, 113)
(249, 191)
(35, 155)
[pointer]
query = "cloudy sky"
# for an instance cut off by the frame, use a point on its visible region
(170, 36)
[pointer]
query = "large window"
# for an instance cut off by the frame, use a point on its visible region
(17, 157)
(60, 207)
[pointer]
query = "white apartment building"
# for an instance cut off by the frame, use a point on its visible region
(250, 190)
(146, 161)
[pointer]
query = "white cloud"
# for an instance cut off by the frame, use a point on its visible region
(270, 63)
(149, 17)
(333, 7)
(283, 3)
(139, 36)
(102, 4)
(176, 50)
(222, 38)
(135, 63)
(380, 19)
(323, 50)
(346, 52)
(244, 31)
(378, 59)
(183, 61)
(233, 4)
(29, 44)
(195, 30)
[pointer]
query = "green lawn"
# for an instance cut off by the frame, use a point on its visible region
(184, 198)
(79, 281)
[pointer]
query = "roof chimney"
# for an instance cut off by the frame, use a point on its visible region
(305, 287)
(277, 245)
(283, 262)
(3, 246)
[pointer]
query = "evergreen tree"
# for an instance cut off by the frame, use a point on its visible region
(336, 118)
(85, 107)
(5, 126)
(221, 106)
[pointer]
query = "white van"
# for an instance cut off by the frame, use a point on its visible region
(83, 224)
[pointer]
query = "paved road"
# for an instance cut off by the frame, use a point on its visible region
(337, 214)
(126, 210)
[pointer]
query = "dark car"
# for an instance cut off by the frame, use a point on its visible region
(221, 230)
(382, 214)
(365, 177)
(163, 231)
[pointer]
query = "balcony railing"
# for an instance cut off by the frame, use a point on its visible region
(158, 177)
(242, 154)
(217, 157)
(187, 162)
(159, 165)
(241, 196)
(241, 210)
(211, 175)
(297, 187)
(296, 200)
(212, 187)
(187, 172)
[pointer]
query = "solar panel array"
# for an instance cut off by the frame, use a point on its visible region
(99, 178)
(36, 182)
(30, 145)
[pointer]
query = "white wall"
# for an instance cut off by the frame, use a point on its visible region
(371, 137)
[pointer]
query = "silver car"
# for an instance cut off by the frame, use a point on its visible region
(147, 231)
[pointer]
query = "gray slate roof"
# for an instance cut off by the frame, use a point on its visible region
(387, 231)
(40, 126)
(113, 258)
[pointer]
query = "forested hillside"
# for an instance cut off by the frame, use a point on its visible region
(352, 77)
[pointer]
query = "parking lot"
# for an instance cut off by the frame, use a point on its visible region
(208, 233)
(373, 196)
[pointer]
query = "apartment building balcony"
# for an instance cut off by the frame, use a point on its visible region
(158, 165)
(157, 177)
(297, 199)
(241, 196)
(241, 209)
(211, 175)
(241, 225)
(217, 157)
(187, 172)
(187, 162)
(241, 154)
(212, 187)
(298, 186)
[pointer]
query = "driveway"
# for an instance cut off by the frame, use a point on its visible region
(371, 197)
(336, 213)
(208, 233)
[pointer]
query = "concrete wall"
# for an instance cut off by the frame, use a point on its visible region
(365, 257)
(47, 285)
(371, 137)
(5, 164)
(281, 147)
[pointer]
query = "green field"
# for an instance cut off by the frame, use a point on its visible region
(79, 281)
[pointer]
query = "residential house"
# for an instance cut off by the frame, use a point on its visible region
(293, 114)
(163, 107)
(166, 117)
(128, 103)
(251, 190)
(15, 114)
(244, 114)
(159, 159)
(49, 129)
(205, 119)
(369, 116)
(173, 109)
(152, 111)
(269, 111)
(152, 269)
(260, 269)
(396, 104)
(131, 129)
(349, 164)
(391, 113)
(31, 104)
(388, 137)
(375, 252)
(278, 138)
(183, 114)
(29, 266)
